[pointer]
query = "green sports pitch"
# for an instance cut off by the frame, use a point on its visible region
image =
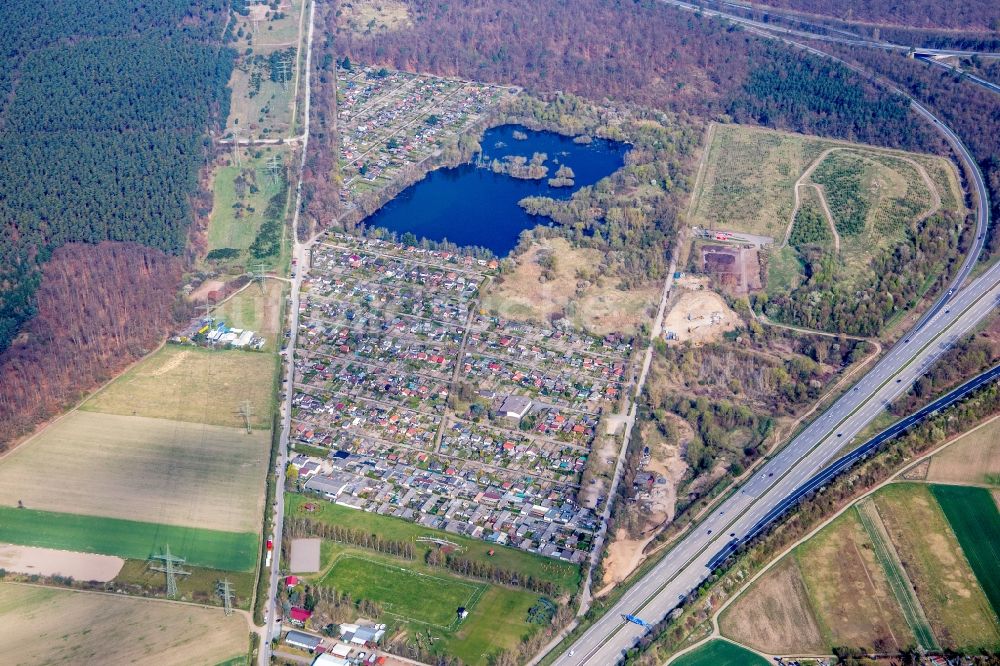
(229, 551)
(720, 653)
(408, 594)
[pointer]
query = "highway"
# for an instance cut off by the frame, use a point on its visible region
(771, 489)
(300, 253)
(687, 564)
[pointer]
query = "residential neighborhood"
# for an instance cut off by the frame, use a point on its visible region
(410, 401)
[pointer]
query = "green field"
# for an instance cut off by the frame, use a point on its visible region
(408, 594)
(564, 574)
(233, 551)
(720, 653)
(498, 618)
(972, 514)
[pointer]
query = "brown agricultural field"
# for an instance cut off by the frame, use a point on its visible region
(143, 469)
(975, 458)
(52, 626)
(774, 615)
(955, 605)
(848, 589)
(193, 384)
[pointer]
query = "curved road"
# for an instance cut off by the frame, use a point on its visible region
(689, 562)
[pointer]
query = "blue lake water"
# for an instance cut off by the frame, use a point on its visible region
(468, 205)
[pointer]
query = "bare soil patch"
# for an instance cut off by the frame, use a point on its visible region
(205, 288)
(734, 269)
(699, 315)
(305, 555)
(52, 626)
(553, 280)
(142, 469)
(50, 562)
(774, 615)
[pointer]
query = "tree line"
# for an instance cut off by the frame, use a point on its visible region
(298, 527)
(490, 572)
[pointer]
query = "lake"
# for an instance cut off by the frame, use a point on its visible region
(468, 205)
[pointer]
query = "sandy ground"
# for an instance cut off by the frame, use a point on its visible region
(201, 293)
(700, 315)
(53, 626)
(305, 555)
(49, 562)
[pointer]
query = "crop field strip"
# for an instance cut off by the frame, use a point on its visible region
(953, 600)
(972, 514)
(143, 469)
(56, 626)
(131, 539)
(720, 652)
(895, 574)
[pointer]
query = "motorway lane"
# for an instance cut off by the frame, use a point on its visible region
(686, 566)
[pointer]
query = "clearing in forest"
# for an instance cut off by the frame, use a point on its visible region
(67, 627)
(552, 279)
(960, 614)
(142, 469)
(208, 386)
(245, 196)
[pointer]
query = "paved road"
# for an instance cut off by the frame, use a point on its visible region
(688, 563)
(989, 85)
(300, 253)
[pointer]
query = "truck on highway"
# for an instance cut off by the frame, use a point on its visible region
(636, 620)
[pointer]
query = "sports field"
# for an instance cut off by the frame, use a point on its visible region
(564, 574)
(972, 514)
(141, 469)
(53, 626)
(196, 385)
(959, 613)
(720, 653)
(498, 616)
(235, 551)
(405, 593)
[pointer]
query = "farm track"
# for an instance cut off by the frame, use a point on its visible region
(899, 581)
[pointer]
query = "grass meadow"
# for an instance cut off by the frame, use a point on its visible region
(720, 653)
